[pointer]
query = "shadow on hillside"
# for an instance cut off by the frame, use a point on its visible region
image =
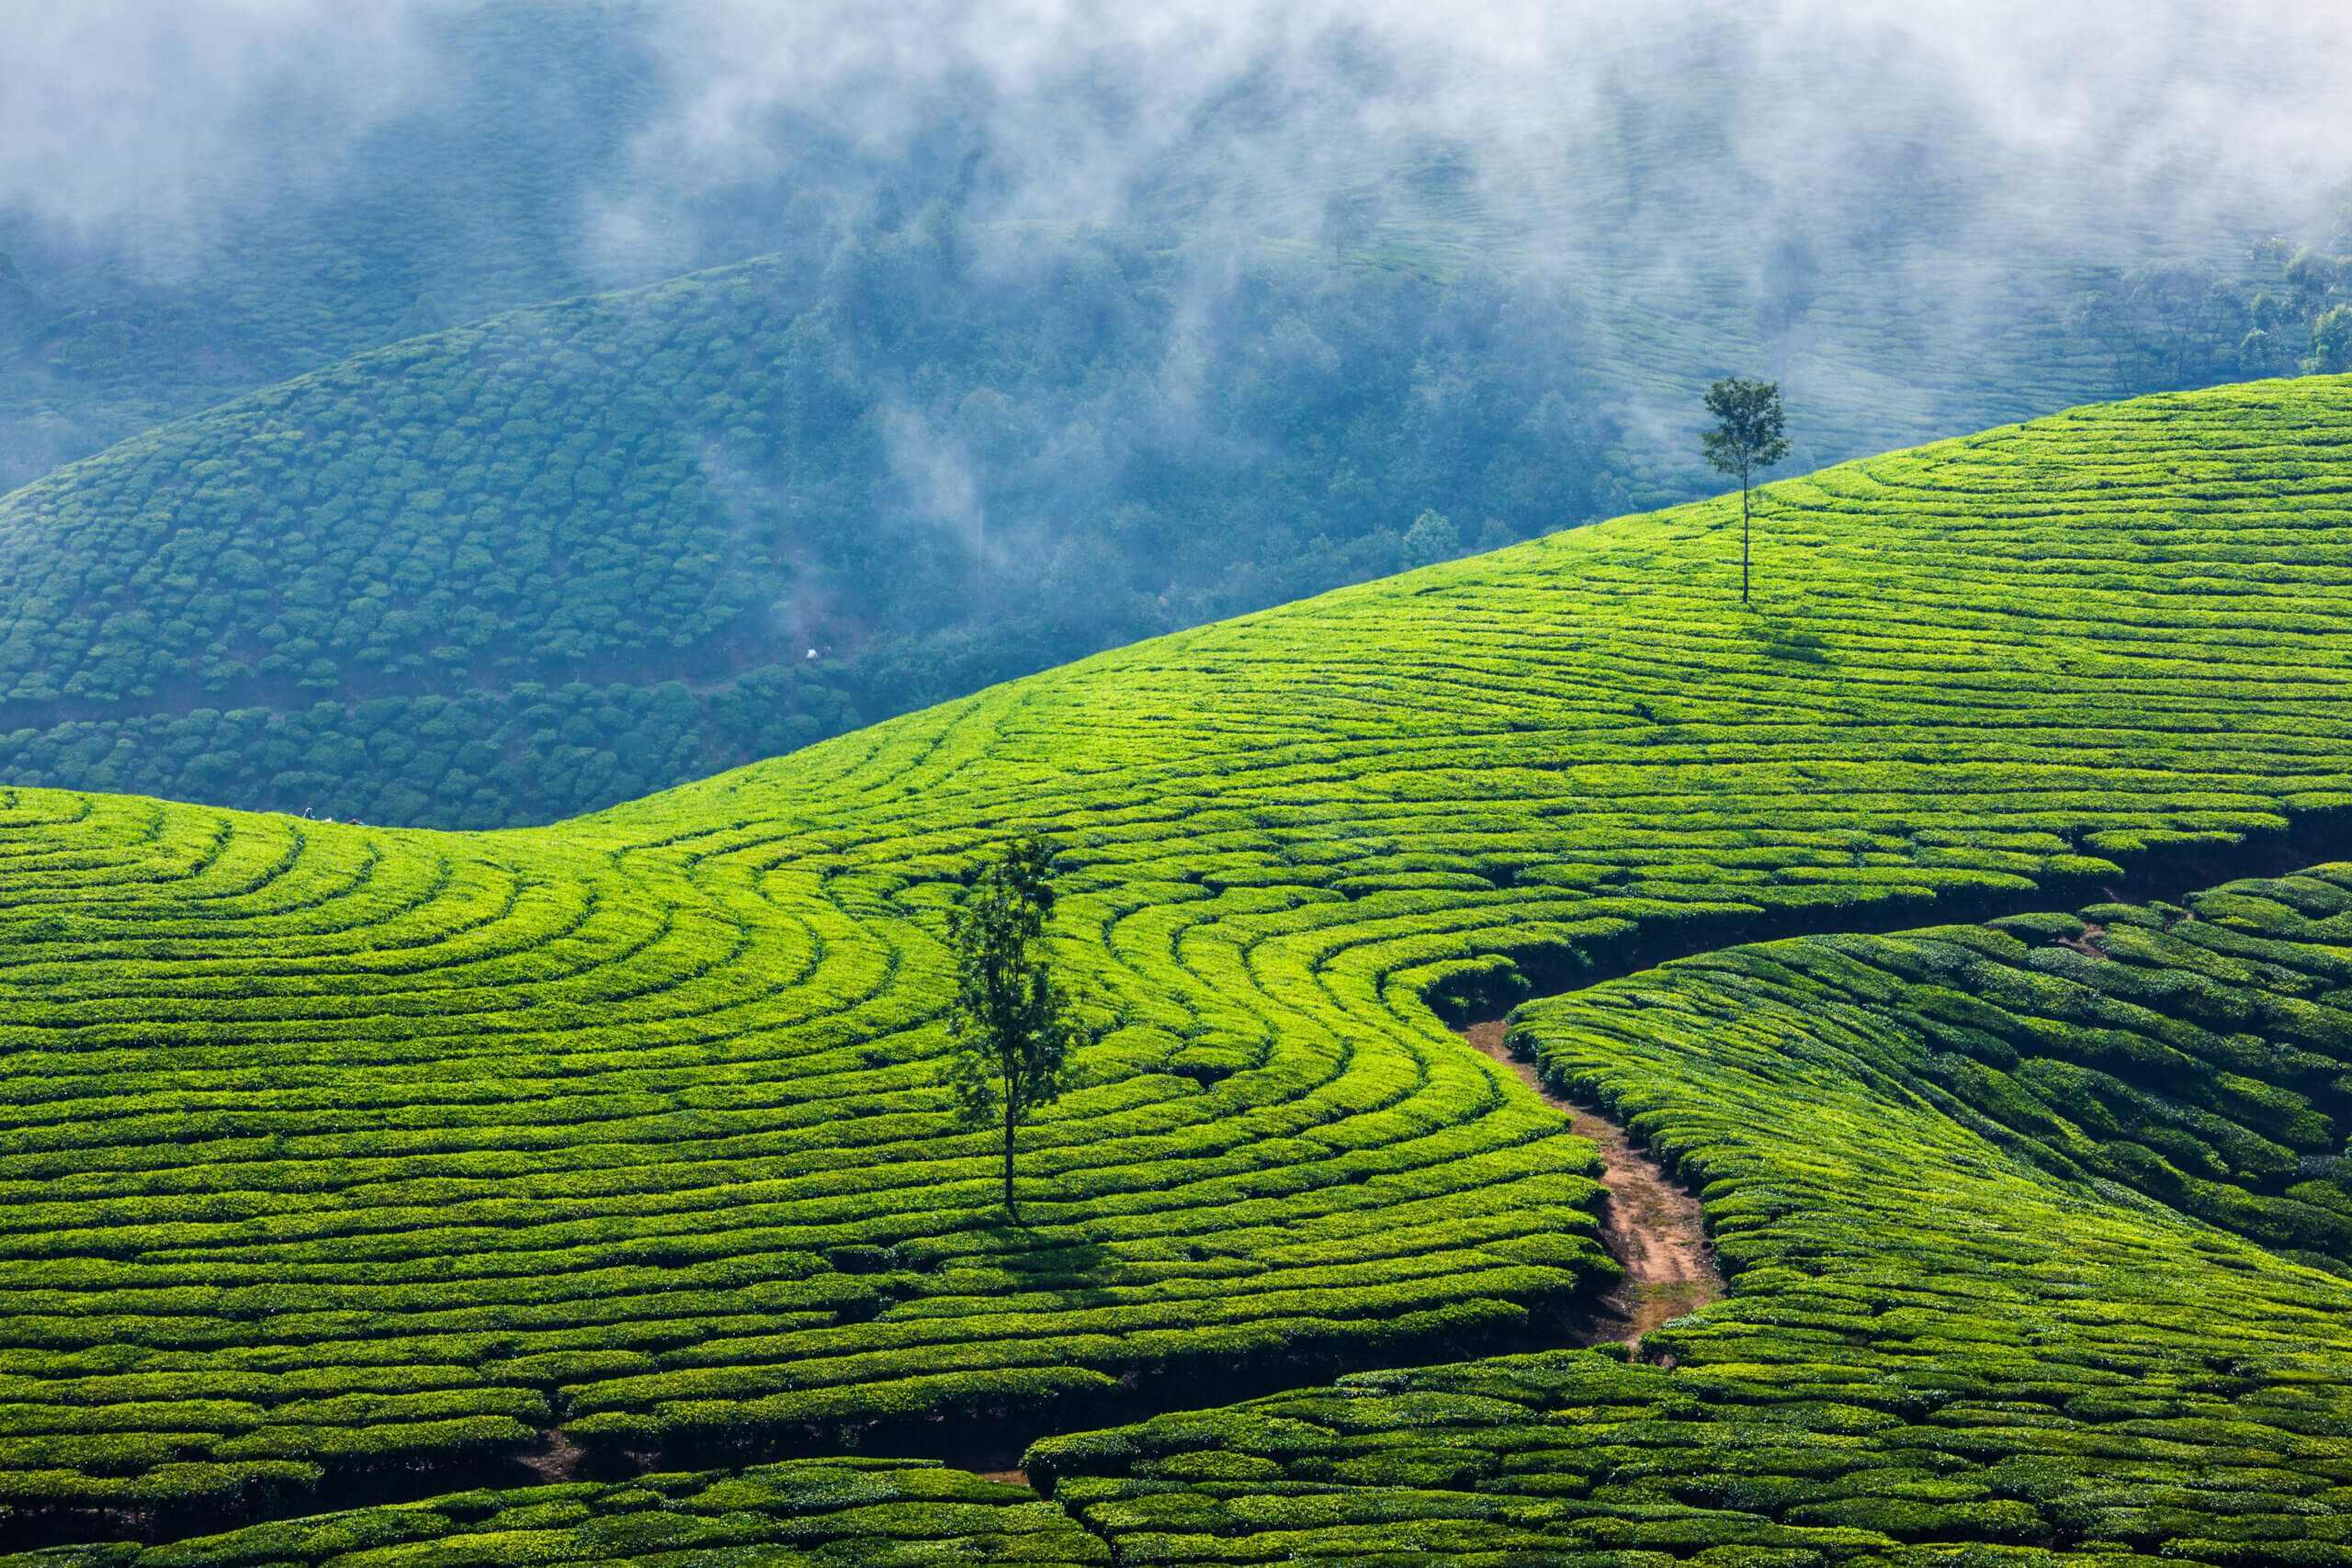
(992, 1437)
(1078, 1274)
(2167, 872)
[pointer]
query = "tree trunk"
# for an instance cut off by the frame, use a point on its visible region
(1011, 1213)
(1743, 538)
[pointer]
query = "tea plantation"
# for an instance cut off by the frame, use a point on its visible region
(354, 1158)
(1946, 1327)
(832, 1513)
(568, 556)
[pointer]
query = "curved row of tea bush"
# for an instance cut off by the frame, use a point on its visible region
(1947, 1343)
(335, 1148)
(341, 1147)
(1970, 1185)
(778, 501)
(829, 1513)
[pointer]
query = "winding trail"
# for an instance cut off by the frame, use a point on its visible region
(1649, 1223)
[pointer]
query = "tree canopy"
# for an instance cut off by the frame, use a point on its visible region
(1015, 1028)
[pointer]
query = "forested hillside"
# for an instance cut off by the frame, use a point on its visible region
(484, 570)
(351, 1156)
(524, 570)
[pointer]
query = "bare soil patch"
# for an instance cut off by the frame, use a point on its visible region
(1649, 1224)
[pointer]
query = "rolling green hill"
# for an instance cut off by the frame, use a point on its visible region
(337, 1152)
(536, 567)
(533, 568)
(467, 200)
(937, 444)
(1985, 1197)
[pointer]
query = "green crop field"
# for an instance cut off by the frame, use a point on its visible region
(830, 1513)
(349, 1157)
(1986, 1197)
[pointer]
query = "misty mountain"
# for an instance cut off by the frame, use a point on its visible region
(1063, 331)
(1894, 212)
(536, 565)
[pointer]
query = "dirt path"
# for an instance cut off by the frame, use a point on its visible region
(1649, 1223)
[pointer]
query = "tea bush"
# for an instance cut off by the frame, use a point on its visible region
(832, 1513)
(1975, 1192)
(337, 1149)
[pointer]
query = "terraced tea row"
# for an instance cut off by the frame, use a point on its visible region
(1947, 1344)
(344, 1147)
(1953, 1336)
(330, 1147)
(834, 1513)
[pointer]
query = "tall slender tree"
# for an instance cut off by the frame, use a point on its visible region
(1014, 1026)
(1746, 437)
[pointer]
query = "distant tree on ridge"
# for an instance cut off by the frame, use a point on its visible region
(1746, 437)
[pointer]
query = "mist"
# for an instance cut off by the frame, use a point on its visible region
(1796, 175)
(1069, 324)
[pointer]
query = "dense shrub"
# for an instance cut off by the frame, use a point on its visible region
(1958, 1328)
(344, 1149)
(832, 1513)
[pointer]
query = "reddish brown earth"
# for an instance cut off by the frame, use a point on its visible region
(1650, 1226)
(557, 1459)
(1649, 1223)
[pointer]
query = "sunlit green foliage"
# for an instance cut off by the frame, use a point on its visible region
(830, 1513)
(332, 1147)
(1957, 1320)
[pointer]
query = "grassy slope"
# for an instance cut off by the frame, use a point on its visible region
(339, 1146)
(830, 1513)
(1946, 1325)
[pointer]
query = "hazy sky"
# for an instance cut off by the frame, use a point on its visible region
(105, 103)
(1938, 171)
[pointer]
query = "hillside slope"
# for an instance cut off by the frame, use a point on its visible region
(1725, 189)
(337, 1148)
(531, 568)
(302, 238)
(1976, 1190)
(1941, 1339)
(971, 425)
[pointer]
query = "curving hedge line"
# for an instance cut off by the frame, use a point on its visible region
(331, 1149)
(1989, 1198)
(832, 1513)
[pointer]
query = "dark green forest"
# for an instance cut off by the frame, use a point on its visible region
(326, 506)
(517, 571)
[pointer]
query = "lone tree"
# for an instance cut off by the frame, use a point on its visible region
(1013, 1026)
(1746, 437)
